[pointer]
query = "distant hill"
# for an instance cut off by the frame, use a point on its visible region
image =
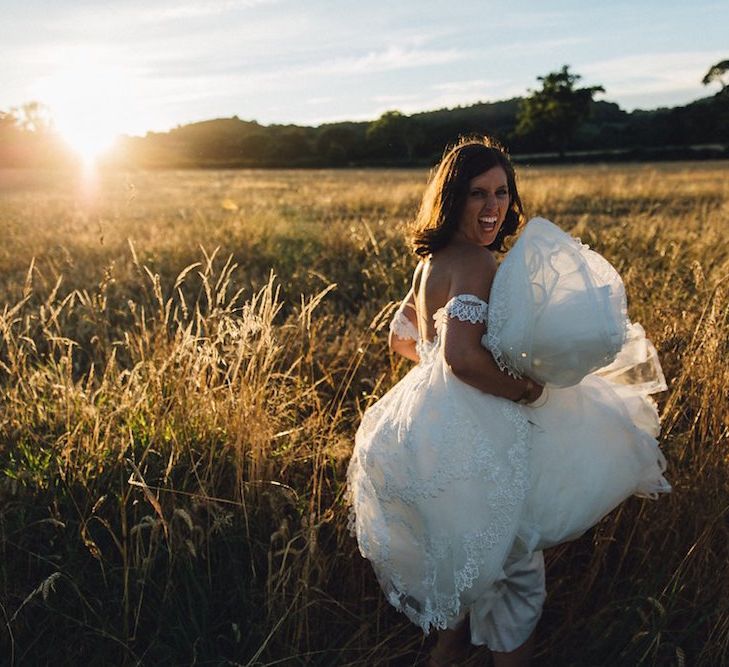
(697, 130)
(419, 139)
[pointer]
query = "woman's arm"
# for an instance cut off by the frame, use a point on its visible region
(462, 349)
(405, 343)
(406, 346)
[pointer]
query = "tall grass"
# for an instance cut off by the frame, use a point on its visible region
(184, 358)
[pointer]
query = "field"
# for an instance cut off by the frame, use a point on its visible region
(184, 358)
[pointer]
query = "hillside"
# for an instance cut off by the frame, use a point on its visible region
(697, 130)
(398, 140)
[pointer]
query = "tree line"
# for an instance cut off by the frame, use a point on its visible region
(557, 118)
(27, 138)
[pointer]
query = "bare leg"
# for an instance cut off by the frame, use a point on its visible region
(451, 647)
(519, 657)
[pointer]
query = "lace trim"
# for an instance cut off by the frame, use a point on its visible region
(467, 308)
(511, 486)
(464, 307)
(403, 328)
(498, 313)
(386, 474)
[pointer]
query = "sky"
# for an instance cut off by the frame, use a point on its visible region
(132, 66)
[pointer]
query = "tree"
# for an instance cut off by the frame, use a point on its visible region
(394, 135)
(554, 113)
(27, 138)
(33, 117)
(337, 144)
(715, 73)
(255, 147)
(290, 146)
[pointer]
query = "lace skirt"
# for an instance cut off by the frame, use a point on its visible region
(448, 483)
(438, 481)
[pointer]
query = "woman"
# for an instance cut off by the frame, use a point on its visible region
(453, 476)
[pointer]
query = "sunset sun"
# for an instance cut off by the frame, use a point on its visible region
(87, 106)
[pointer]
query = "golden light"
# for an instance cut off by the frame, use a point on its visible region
(89, 104)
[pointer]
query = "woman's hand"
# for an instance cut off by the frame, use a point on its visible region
(532, 391)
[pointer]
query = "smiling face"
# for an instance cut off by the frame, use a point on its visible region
(472, 197)
(485, 208)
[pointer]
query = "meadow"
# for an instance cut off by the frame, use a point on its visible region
(184, 359)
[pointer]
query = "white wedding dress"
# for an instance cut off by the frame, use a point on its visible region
(450, 486)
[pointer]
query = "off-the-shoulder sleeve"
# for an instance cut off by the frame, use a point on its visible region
(467, 308)
(402, 327)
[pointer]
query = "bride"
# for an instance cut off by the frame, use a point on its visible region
(522, 424)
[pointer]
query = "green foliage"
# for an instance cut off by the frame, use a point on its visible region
(394, 136)
(31, 463)
(554, 113)
(338, 144)
(717, 73)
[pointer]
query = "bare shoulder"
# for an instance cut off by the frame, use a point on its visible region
(472, 271)
(473, 257)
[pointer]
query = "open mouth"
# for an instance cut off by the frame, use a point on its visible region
(488, 223)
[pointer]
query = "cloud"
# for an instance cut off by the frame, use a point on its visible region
(198, 9)
(444, 95)
(396, 100)
(316, 101)
(651, 73)
(392, 58)
(468, 88)
(548, 46)
(293, 77)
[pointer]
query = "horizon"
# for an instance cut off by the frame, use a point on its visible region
(134, 69)
(414, 113)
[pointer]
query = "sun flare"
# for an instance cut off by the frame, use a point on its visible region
(88, 104)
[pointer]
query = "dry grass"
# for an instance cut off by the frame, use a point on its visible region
(175, 424)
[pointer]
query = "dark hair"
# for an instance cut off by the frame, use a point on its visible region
(445, 195)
